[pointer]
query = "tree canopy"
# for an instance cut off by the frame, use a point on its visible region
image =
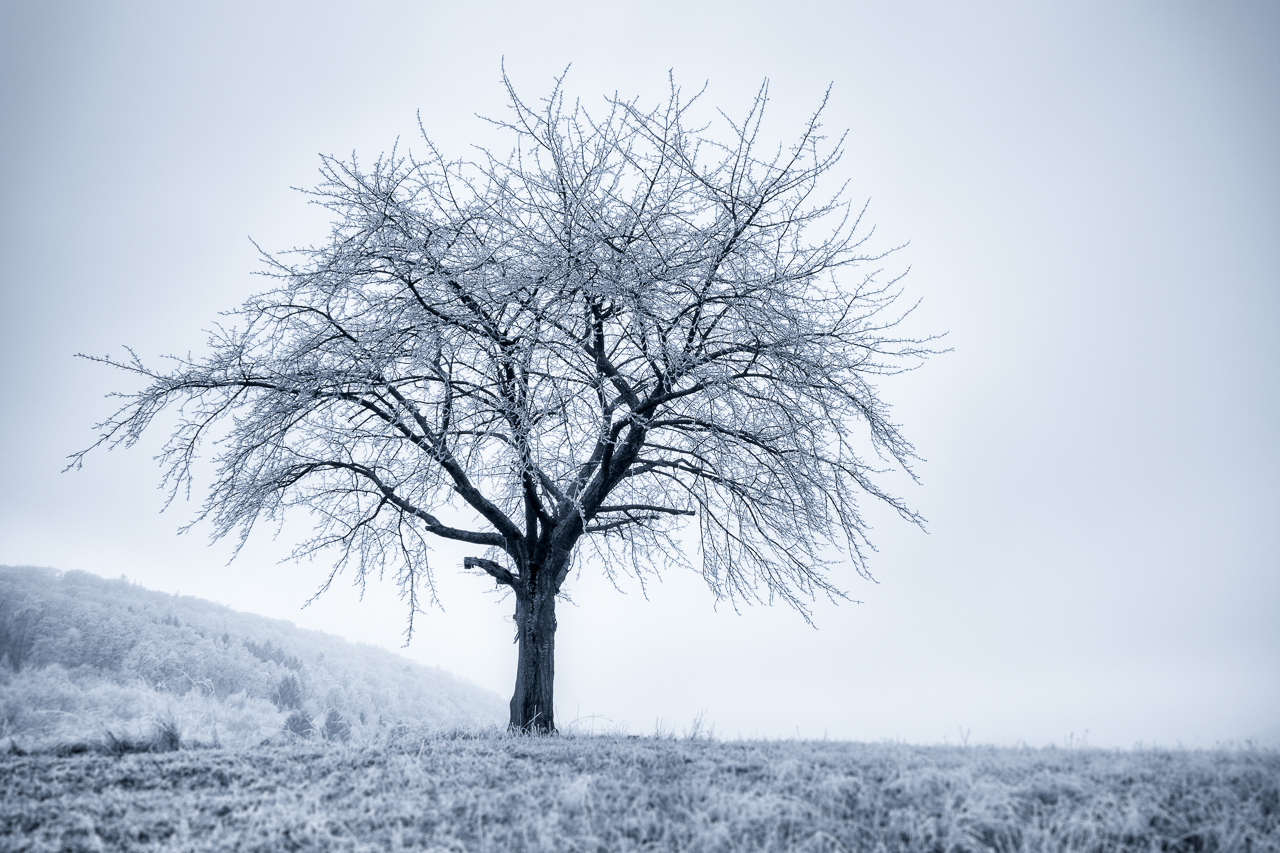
(625, 322)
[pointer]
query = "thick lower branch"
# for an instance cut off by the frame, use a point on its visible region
(432, 523)
(644, 508)
(496, 571)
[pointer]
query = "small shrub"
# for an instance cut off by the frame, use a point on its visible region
(288, 694)
(299, 724)
(335, 727)
(17, 636)
(166, 736)
(122, 744)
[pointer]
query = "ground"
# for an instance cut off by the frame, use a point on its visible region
(451, 792)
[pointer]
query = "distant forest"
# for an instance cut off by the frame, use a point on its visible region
(79, 652)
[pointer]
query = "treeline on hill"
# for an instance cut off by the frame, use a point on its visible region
(83, 657)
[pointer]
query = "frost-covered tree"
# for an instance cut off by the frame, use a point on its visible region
(625, 322)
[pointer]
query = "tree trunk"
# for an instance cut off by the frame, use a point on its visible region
(532, 705)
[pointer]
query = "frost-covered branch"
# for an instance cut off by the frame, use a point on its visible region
(625, 322)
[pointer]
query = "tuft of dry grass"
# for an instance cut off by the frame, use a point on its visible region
(481, 790)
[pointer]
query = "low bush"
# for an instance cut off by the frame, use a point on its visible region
(335, 727)
(299, 724)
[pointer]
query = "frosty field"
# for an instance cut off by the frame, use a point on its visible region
(494, 793)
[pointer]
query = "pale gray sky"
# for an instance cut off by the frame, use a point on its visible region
(1092, 195)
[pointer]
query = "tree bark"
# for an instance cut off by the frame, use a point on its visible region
(533, 703)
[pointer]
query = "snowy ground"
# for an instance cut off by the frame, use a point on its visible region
(469, 793)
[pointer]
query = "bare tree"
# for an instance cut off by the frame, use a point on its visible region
(623, 323)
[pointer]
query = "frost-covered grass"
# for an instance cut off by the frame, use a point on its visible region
(43, 709)
(457, 791)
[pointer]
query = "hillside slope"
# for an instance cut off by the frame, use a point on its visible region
(79, 652)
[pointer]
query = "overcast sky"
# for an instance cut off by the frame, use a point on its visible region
(1091, 192)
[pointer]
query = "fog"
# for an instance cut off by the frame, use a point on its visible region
(1089, 195)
